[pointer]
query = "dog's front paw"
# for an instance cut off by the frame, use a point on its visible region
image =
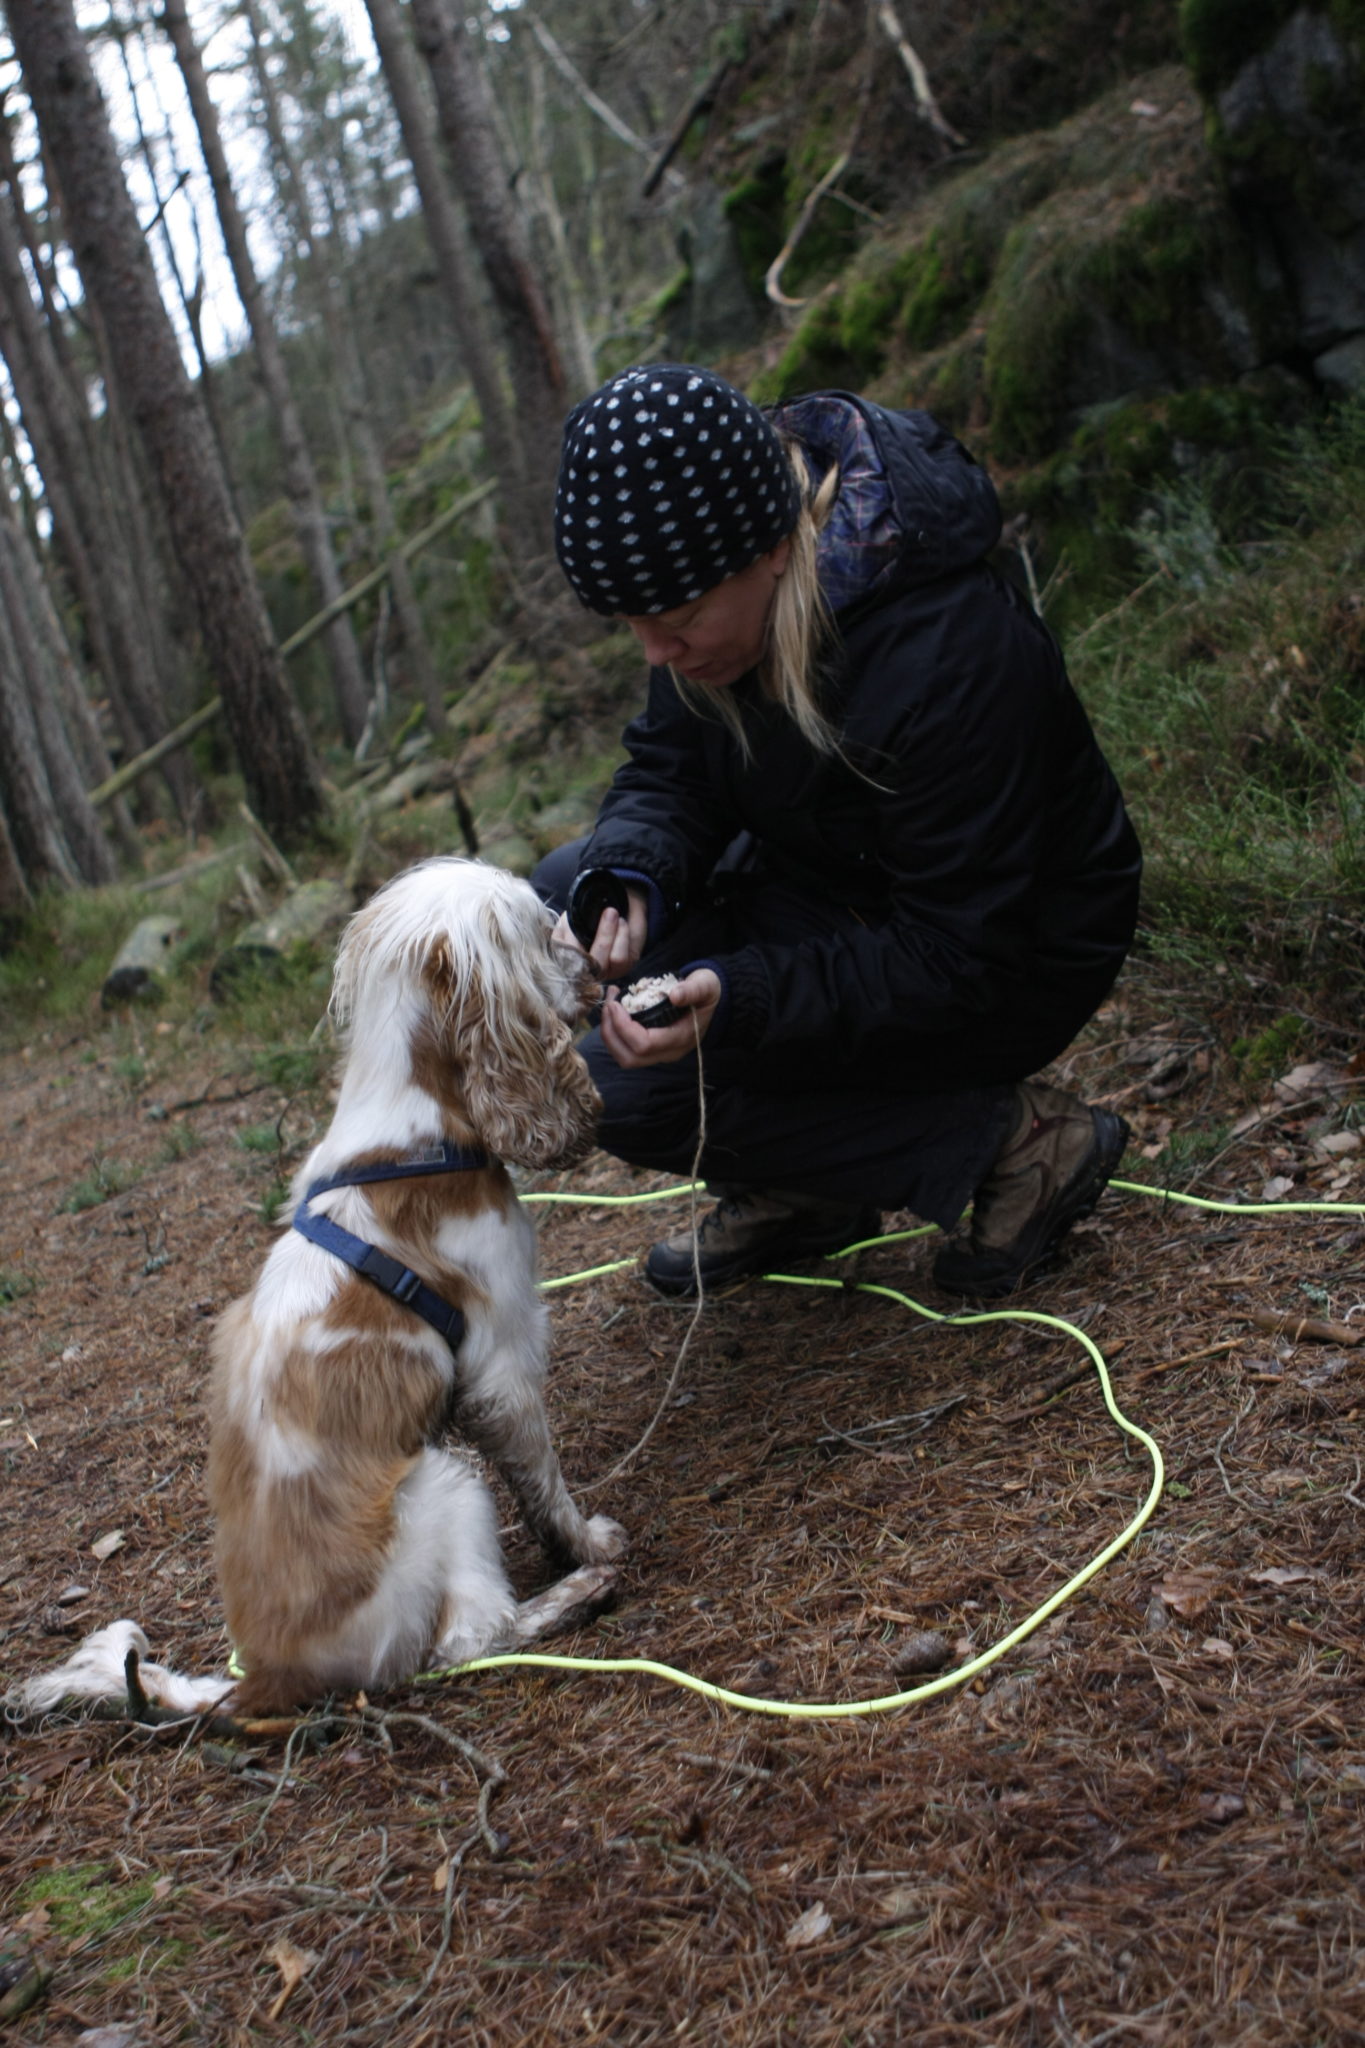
(604, 1540)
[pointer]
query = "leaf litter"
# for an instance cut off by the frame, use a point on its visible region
(1139, 1825)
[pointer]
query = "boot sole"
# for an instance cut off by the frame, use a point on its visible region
(986, 1275)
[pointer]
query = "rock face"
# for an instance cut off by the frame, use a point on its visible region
(717, 310)
(1288, 130)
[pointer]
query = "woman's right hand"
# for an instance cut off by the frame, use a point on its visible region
(619, 941)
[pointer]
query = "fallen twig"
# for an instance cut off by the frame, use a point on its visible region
(772, 283)
(928, 106)
(1153, 1372)
(1303, 1329)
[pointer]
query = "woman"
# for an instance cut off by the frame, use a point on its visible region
(863, 818)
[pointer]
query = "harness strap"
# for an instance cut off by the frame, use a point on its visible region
(388, 1274)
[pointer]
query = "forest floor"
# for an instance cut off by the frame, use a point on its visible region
(1144, 1824)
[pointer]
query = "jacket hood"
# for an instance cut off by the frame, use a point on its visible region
(913, 505)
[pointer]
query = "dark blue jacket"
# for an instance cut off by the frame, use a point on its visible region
(973, 825)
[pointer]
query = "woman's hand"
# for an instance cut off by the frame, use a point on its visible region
(619, 941)
(635, 1045)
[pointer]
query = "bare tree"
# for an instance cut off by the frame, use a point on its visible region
(272, 748)
(14, 892)
(43, 855)
(467, 126)
(446, 234)
(301, 482)
(34, 669)
(68, 685)
(92, 542)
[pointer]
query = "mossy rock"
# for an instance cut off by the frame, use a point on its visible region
(1115, 218)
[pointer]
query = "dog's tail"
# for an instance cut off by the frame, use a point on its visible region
(98, 1671)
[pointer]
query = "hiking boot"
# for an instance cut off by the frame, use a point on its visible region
(752, 1230)
(1052, 1169)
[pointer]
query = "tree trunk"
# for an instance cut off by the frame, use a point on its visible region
(81, 827)
(272, 748)
(25, 794)
(310, 518)
(77, 712)
(449, 247)
(14, 895)
(132, 566)
(569, 298)
(191, 297)
(88, 537)
(538, 379)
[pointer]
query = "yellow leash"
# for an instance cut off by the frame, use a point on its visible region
(962, 1674)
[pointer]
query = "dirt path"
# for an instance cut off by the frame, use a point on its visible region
(1144, 1825)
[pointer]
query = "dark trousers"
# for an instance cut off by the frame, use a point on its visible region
(919, 1133)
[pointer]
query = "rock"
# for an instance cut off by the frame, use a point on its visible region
(23, 1978)
(923, 1650)
(139, 970)
(510, 850)
(718, 312)
(1287, 130)
(1341, 370)
(571, 818)
(306, 913)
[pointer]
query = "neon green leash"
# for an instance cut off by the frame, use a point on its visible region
(962, 1674)
(845, 1710)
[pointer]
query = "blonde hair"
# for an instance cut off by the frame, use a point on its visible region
(798, 625)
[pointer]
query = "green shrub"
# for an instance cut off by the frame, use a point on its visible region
(1229, 691)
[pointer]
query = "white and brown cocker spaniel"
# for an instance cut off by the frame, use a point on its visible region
(351, 1545)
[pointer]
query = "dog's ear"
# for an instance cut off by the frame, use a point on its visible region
(527, 1090)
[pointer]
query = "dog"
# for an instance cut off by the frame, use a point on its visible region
(352, 1546)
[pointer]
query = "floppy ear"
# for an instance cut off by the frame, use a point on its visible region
(527, 1090)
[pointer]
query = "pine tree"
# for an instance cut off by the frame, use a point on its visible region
(272, 748)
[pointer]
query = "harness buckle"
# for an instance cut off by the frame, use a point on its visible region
(405, 1286)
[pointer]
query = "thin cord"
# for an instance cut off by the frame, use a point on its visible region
(623, 1464)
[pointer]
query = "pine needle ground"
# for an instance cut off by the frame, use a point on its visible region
(1144, 1826)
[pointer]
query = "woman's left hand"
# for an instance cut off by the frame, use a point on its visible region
(636, 1045)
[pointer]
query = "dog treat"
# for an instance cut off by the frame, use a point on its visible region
(650, 1002)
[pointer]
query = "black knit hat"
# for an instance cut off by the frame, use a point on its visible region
(670, 481)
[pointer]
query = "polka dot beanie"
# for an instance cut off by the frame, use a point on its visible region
(670, 481)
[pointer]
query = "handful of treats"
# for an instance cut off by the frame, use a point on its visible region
(650, 1002)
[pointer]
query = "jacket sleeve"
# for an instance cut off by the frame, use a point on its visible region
(670, 813)
(992, 797)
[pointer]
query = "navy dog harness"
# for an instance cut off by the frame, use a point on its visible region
(388, 1274)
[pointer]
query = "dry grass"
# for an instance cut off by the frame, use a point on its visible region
(1144, 1826)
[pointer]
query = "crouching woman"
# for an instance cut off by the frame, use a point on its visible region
(863, 818)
